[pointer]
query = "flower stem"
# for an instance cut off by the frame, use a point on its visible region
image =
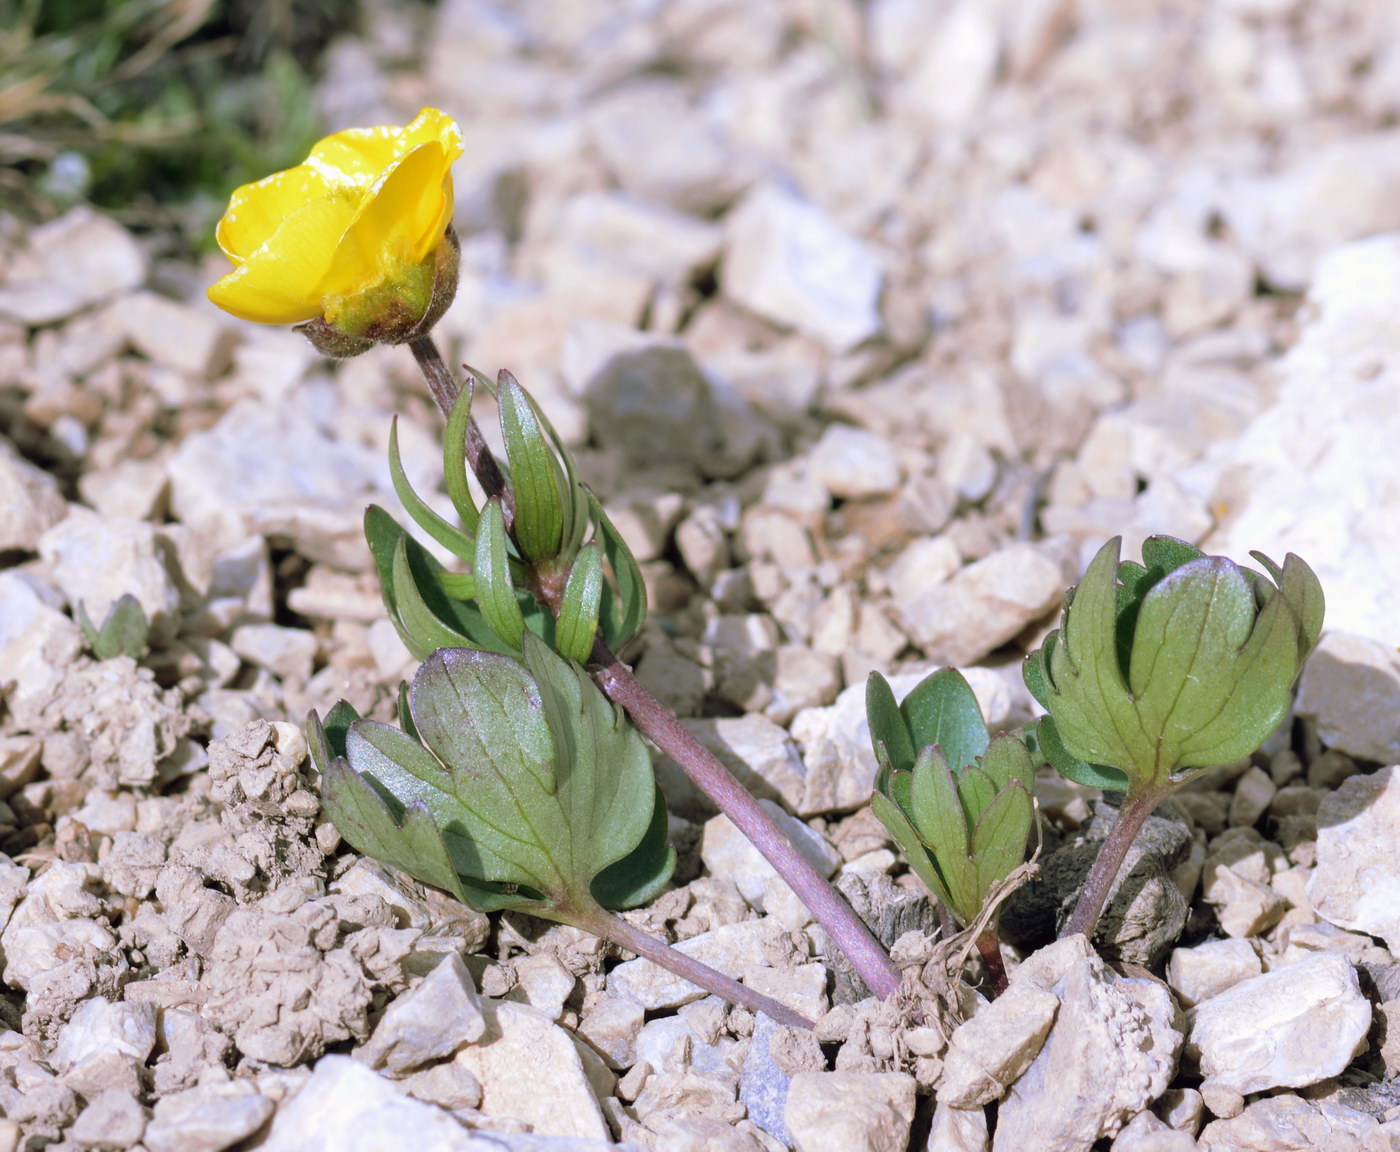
(445, 391)
(989, 948)
(1099, 883)
(845, 929)
(609, 926)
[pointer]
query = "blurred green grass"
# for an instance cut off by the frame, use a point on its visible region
(154, 110)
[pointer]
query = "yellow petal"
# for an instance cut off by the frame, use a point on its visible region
(358, 157)
(256, 211)
(400, 223)
(279, 283)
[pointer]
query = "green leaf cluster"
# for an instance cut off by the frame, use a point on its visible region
(1183, 662)
(957, 802)
(124, 632)
(547, 530)
(513, 784)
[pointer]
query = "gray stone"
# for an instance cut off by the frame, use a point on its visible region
(775, 1055)
(1288, 1028)
(789, 262)
(644, 393)
(1356, 883)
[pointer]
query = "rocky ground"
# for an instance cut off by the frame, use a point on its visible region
(870, 322)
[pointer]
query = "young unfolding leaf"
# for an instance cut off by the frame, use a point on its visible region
(578, 611)
(124, 632)
(1185, 662)
(523, 788)
(1162, 669)
(536, 478)
(957, 804)
(494, 589)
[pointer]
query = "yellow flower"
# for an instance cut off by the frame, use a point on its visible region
(356, 240)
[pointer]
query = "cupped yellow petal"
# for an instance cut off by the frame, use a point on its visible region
(358, 157)
(256, 211)
(399, 224)
(280, 283)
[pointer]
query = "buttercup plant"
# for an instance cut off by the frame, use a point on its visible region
(513, 784)
(957, 802)
(1162, 669)
(356, 247)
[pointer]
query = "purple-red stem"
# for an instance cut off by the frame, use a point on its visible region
(989, 948)
(603, 923)
(1099, 883)
(846, 930)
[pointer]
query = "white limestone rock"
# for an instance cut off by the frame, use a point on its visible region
(989, 1052)
(985, 604)
(30, 502)
(98, 559)
(69, 264)
(209, 1117)
(850, 1111)
(854, 462)
(732, 949)
(1208, 969)
(344, 1107)
(428, 1022)
(38, 642)
(1308, 474)
(789, 262)
(1287, 220)
(1287, 1028)
(1351, 687)
(531, 1070)
(270, 470)
(1356, 883)
(1111, 1052)
(728, 854)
